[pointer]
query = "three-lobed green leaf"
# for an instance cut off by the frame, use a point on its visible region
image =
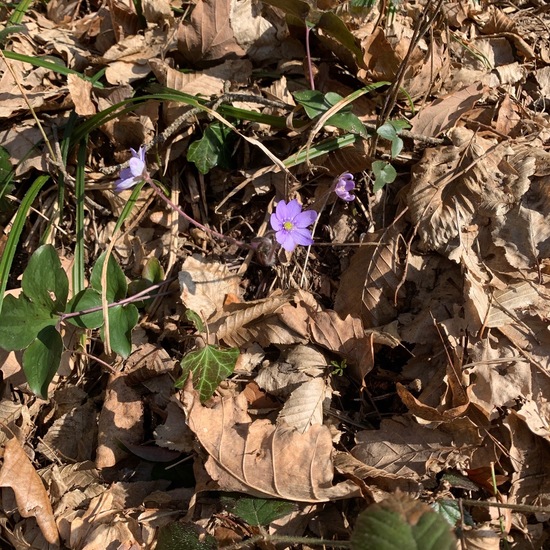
(384, 173)
(213, 149)
(209, 365)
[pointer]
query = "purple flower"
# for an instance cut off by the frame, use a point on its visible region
(290, 224)
(135, 173)
(344, 184)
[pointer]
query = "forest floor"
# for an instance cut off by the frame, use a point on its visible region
(312, 310)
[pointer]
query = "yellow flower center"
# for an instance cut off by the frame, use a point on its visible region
(288, 226)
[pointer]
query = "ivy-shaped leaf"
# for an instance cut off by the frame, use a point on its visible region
(209, 365)
(213, 149)
(258, 511)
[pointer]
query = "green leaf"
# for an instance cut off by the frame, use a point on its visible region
(195, 318)
(209, 365)
(85, 300)
(387, 131)
(184, 536)
(258, 511)
(334, 26)
(348, 122)
(394, 525)
(21, 321)
(41, 360)
(122, 319)
(153, 271)
(315, 104)
(212, 149)
(44, 281)
(451, 512)
(116, 280)
(384, 173)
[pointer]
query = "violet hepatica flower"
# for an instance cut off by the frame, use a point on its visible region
(344, 184)
(136, 171)
(290, 224)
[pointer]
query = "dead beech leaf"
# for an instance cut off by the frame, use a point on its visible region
(205, 284)
(279, 319)
(345, 337)
(304, 407)
(405, 448)
(30, 494)
(80, 91)
(261, 459)
(208, 35)
(120, 420)
(445, 112)
(367, 287)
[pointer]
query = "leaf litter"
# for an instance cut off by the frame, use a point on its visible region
(404, 354)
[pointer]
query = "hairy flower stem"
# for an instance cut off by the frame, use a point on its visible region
(211, 232)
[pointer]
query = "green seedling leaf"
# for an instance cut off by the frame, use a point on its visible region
(21, 321)
(387, 131)
(122, 319)
(179, 536)
(85, 300)
(116, 280)
(45, 282)
(212, 149)
(334, 26)
(315, 104)
(399, 523)
(41, 360)
(194, 317)
(384, 173)
(258, 511)
(151, 274)
(448, 510)
(153, 271)
(209, 365)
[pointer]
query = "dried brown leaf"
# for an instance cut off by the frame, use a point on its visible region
(263, 460)
(120, 420)
(404, 448)
(205, 284)
(31, 496)
(444, 112)
(367, 288)
(208, 35)
(304, 407)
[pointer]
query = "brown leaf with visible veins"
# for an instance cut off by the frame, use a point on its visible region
(208, 36)
(30, 494)
(261, 459)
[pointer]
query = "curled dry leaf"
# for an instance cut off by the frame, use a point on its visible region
(261, 459)
(30, 494)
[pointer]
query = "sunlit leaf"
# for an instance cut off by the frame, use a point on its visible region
(258, 511)
(209, 365)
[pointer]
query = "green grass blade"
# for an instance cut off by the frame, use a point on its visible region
(331, 144)
(80, 179)
(16, 230)
(19, 12)
(55, 67)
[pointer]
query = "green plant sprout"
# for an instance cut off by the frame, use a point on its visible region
(383, 171)
(338, 368)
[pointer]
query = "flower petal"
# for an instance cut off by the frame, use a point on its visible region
(123, 184)
(276, 223)
(286, 240)
(302, 236)
(293, 209)
(281, 211)
(137, 166)
(303, 219)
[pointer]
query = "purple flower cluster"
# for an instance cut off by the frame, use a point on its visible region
(136, 171)
(344, 184)
(290, 224)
